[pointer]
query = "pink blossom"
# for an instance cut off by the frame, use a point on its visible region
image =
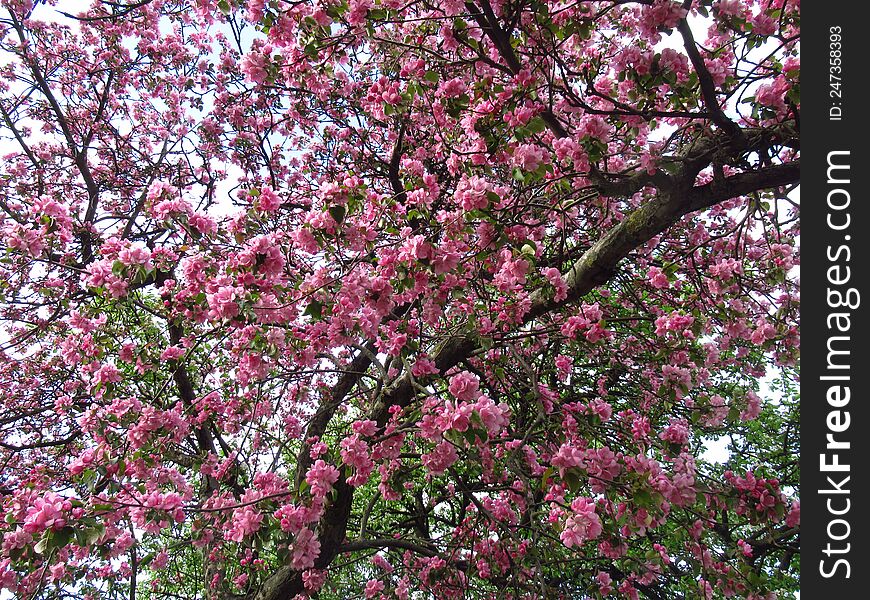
(108, 373)
(471, 193)
(165, 209)
(254, 65)
(512, 273)
(161, 559)
(565, 365)
(246, 521)
(658, 279)
(452, 88)
(604, 583)
(306, 549)
(529, 157)
(730, 7)
(223, 303)
(28, 241)
(583, 524)
(494, 417)
(379, 561)
(558, 282)
(464, 386)
(202, 223)
(268, 200)
(356, 453)
(135, 255)
(441, 458)
(595, 127)
(763, 24)
(753, 407)
(313, 579)
(445, 261)
(424, 367)
(47, 512)
(366, 428)
(57, 571)
(172, 353)
(84, 460)
(793, 518)
(321, 477)
(677, 432)
(373, 588)
(293, 519)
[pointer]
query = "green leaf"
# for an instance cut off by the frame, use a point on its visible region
(314, 309)
(536, 125)
(546, 477)
(572, 480)
(643, 498)
(61, 537)
(311, 50)
(146, 560)
(93, 534)
(41, 546)
(337, 212)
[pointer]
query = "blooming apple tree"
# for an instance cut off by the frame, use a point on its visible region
(398, 298)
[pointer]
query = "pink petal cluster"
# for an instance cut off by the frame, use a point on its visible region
(582, 524)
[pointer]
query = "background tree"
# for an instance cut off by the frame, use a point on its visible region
(399, 299)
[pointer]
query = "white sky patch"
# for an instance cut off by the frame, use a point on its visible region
(716, 450)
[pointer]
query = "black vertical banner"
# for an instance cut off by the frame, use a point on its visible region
(835, 462)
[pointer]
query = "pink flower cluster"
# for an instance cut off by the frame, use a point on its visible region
(471, 193)
(464, 386)
(587, 322)
(24, 240)
(165, 201)
(676, 323)
(760, 495)
(471, 407)
(356, 453)
(223, 301)
(321, 477)
(441, 458)
(530, 157)
(47, 512)
(157, 510)
(99, 274)
(305, 550)
(511, 273)
(677, 432)
(658, 279)
(582, 524)
(293, 518)
(560, 287)
(246, 521)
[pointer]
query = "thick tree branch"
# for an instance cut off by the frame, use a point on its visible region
(705, 80)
